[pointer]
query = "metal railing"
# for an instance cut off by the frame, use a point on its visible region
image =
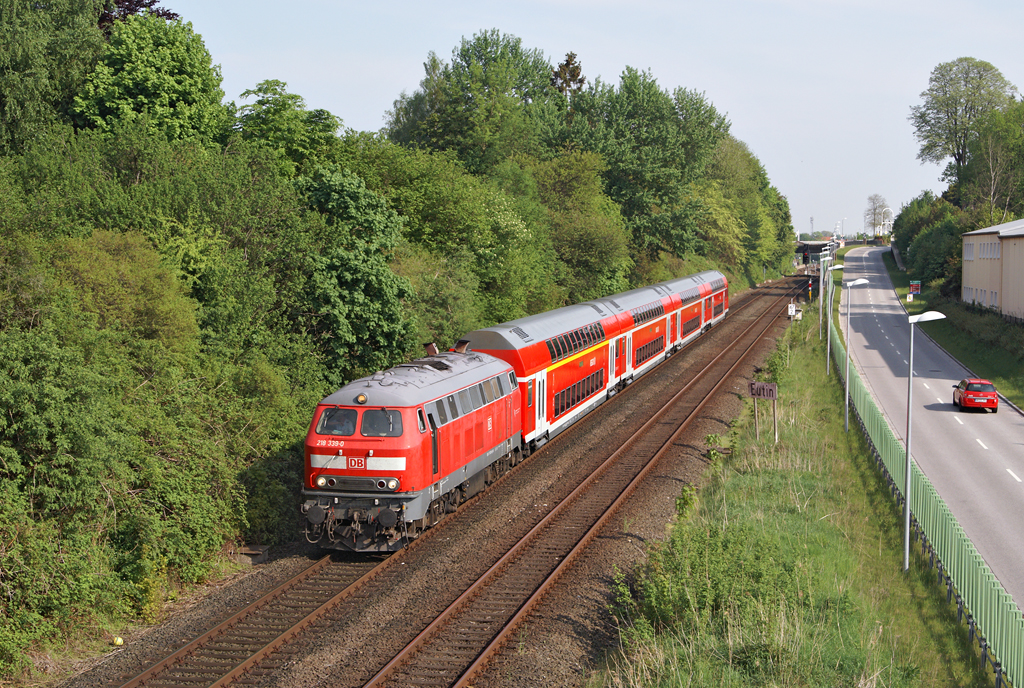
(994, 619)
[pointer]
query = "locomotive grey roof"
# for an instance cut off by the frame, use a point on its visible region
(536, 328)
(420, 381)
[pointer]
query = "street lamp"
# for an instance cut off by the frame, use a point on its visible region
(923, 317)
(828, 328)
(849, 298)
(821, 281)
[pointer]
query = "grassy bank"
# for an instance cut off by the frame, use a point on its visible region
(785, 569)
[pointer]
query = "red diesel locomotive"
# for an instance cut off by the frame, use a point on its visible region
(388, 455)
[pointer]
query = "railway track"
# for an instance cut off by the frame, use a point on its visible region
(253, 642)
(235, 647)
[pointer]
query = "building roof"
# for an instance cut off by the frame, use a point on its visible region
(1005, 230)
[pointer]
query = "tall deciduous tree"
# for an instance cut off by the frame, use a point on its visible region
(994, 183)
(279, 120)
(477, 106)
(959, 93)
(159, 70)
(359, 323)
(46, 52)
(656, 145)
(873, 212)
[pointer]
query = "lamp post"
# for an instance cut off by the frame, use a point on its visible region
(923, 317)
(821, 281)
(828, 328)
(849, 298)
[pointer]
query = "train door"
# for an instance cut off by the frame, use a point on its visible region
(672, 329)
(629, 352)
(620, 358)
(435, 463)
(542, 403)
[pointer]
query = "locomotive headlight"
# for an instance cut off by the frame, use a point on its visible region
(392, 484)
(321, 481)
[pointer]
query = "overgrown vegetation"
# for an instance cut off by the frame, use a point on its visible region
(182, 279)
(788, 570)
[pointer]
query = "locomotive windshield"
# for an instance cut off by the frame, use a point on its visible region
(337, 421)
(381, 423)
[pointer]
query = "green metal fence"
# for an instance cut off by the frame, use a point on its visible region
(994, 618)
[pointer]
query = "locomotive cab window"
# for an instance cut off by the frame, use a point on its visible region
(421, 421)
(381, 423)
(337, 421)
(487, 391)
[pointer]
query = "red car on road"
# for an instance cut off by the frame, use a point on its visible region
(976, 393)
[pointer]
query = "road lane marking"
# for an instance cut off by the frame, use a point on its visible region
(1014, 475)
(981, 443)
(926, 385)
(958, 420)
(936, 398)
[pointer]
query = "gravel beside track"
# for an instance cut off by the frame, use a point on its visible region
(570, 632)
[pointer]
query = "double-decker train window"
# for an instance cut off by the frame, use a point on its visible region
(337, 421)
(381, 423)
(551, 349)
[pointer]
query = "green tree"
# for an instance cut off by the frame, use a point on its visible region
(993, 183)
(479, 105)
(762, 213)
(160, 71)
(46, 52)
(279, 120)
(454, 214)
(656, 145)
(959, 93)
(588, 233)
(359, 322)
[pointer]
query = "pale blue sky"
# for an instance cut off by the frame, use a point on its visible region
(819, 89)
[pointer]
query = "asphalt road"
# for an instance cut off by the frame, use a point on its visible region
(975, 459)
